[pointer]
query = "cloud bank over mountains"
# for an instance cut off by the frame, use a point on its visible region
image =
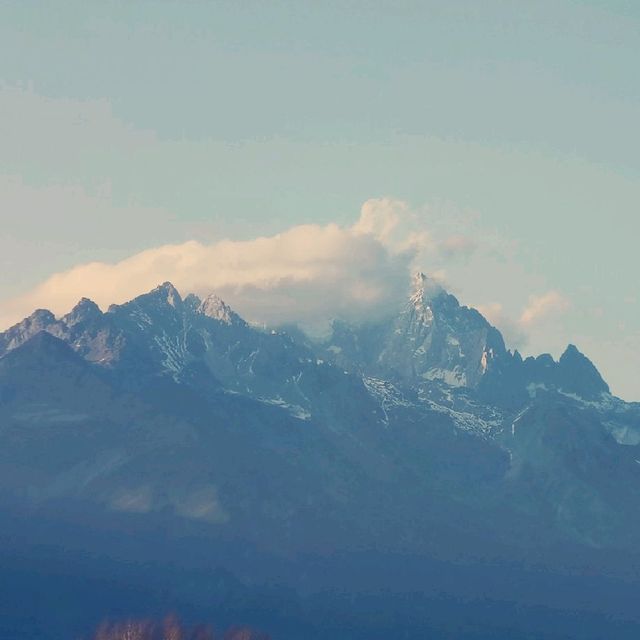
(308, 274)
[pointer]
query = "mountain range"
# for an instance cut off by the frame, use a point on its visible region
(420, 435)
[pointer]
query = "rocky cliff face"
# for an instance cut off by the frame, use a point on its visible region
(434, 338)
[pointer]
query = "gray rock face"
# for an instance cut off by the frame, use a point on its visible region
(85, 311)
(214, 307)
(577, 374)
(39, 320)
(434, 338)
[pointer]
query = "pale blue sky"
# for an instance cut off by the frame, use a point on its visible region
(127, 125)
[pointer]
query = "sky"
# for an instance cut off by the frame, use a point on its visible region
(302, 158)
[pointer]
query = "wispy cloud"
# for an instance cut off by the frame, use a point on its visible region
(539, 310)
(542, 306)
(458, 245)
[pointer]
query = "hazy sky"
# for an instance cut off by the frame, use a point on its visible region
(493, 144)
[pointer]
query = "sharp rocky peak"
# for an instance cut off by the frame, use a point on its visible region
(18, 334)
(162, 295)
(86, 309)
(571, 353)
(192, 302)
(578, 374)
(214, 307)
(40, 318)
(167, 292)
(424, 289)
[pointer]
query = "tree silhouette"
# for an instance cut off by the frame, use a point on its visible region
(129, 630)
(244, 633)
(169, 629)
(202, 632)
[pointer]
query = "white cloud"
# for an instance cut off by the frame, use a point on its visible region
(308, 274)
(533, 319)
(380, 217)
(396, 225)
(542, 306)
